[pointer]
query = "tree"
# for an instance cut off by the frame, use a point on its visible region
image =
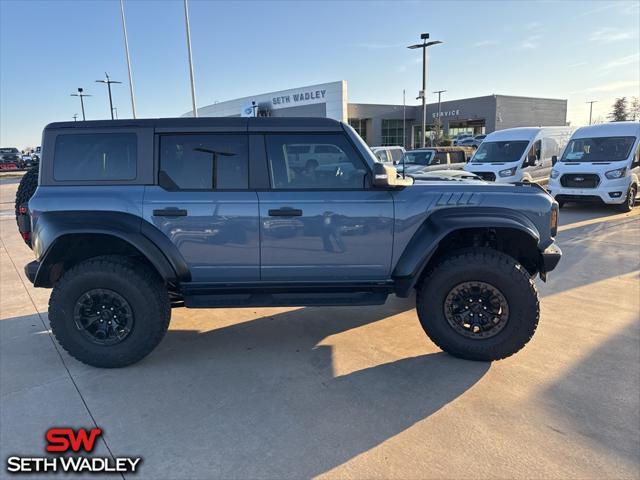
(619, 112)
(634, 109)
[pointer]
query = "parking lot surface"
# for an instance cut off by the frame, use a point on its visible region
(349, 392)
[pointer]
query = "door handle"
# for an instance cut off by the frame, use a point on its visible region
(170, 212)
(285, 212)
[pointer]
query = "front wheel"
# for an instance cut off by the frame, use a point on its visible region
(630, 201)
(478, 304)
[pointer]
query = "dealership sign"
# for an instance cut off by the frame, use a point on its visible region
(447, 113)
(312, 96)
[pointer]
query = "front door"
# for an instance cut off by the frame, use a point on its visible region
(203, 205)
(319, 222)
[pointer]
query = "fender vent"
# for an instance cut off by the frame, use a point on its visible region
(458, 198)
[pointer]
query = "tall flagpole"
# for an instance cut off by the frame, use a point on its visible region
(126, 47)
(193, 85)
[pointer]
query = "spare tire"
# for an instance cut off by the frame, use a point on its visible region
(26, 189)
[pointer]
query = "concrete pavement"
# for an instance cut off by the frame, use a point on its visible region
(349, 392)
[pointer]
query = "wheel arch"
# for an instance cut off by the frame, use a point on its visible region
(63, 239)
(503, 230)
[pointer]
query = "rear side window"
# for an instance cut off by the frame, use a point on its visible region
(204, 162)
(95, 157)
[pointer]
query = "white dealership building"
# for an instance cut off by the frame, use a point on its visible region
(381, 124)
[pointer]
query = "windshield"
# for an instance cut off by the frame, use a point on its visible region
(500, 152)
(9, 150)
(417, 158)
(599, 149)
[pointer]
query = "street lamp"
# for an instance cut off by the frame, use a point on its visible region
(438, 132)
(81, 94)
(591, 109)
(424, 45)
(108, 82)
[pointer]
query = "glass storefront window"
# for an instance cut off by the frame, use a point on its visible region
(392, 132)
(360, 126)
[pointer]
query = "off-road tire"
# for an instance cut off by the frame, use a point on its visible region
(26, 189)
(492, 267)
(137, 283)
(629, 200)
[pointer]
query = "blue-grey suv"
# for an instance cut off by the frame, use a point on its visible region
(134, 217)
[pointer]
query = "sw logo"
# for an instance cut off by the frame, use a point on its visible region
(65, 440)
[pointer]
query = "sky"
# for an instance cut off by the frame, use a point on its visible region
(574, 50)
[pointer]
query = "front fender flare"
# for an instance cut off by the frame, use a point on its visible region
(428, 236)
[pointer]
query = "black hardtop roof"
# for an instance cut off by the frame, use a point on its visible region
(284, 124)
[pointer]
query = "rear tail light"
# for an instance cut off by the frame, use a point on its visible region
(554, 221)
(26, 236)
(22, 210)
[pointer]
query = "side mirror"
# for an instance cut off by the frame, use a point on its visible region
(384, 175)
(554, 160)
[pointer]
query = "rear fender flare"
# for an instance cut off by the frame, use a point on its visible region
(52, 229)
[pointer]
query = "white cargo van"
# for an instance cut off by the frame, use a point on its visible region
(601, 163)
(519, 154)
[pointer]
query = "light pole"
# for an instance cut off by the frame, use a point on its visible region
(81, 94)
(423, 93)
(591, 109)
(108, 82)
(75, 117)
(115, 109)
(126, 49)
(404, 118)
(193, 85)
(439, 131)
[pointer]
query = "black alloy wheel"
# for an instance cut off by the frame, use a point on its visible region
(103, 316)
(476, 310)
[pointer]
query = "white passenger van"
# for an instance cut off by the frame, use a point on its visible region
(601, 163)
(519, 154)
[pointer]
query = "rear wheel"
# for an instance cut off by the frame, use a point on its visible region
(630, 200)
(109, 312)
(478, 304)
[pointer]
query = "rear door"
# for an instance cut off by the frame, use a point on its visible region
(322, 223)
(203, 204)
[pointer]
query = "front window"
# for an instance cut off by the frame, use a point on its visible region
(417, 158)
(599, 149)
(500, 152)
(314, 161)
(9, 150)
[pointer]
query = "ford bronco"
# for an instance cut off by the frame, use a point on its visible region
(131, 218)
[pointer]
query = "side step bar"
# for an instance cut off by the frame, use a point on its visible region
(265, 294)
(308, 299)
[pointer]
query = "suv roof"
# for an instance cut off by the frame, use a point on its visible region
(289, 124)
